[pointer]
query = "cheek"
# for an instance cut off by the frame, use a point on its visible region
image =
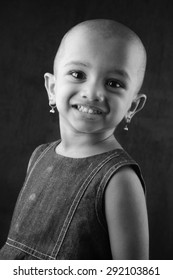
(63, 93)
(118, 104)
(58, 96)
(119, 107)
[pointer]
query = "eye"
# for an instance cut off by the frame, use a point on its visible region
(79, 75)
(114, 84)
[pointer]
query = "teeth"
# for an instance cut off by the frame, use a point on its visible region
(88, 110)
(84, 109)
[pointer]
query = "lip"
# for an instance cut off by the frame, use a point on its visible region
(90, 106)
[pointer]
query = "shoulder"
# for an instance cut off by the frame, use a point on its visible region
(126, 215)
(124, 188)
(123, 166)
(125, 181)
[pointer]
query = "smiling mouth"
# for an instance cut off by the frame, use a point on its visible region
(87, 109)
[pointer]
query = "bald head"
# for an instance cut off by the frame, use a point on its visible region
(106, 29)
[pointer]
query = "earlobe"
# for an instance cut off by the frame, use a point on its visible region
(50, 85)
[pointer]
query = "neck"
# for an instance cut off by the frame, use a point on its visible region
(77, 144)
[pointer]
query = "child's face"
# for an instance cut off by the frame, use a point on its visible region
(96, 81)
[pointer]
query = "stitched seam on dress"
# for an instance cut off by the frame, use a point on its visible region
(32, 158)
(22, 250)
(76, 201)
(112, 171)
(24, 246)
(29, 175)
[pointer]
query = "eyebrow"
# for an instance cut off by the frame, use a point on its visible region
(78, 63)
(120, 72)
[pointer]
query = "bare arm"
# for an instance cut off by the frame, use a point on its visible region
(126, 215)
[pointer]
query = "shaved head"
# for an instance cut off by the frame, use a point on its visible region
(106, 29)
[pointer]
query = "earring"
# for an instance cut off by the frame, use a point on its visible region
(128, 119)
(52, 110)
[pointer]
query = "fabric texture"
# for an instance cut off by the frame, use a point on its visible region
(60, 209)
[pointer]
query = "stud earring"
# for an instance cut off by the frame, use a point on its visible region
(128, 119)
(52, 110)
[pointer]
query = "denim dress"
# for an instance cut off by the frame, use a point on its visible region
(59, 214)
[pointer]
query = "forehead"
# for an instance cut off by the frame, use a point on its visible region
(85, 42)
(90, 42)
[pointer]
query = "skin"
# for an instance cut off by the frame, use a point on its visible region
(100, 65)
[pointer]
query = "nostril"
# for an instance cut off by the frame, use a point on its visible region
(92, 95)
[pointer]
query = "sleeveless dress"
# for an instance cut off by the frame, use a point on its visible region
(59, 213)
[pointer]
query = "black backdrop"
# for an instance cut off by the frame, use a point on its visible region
(30, 32)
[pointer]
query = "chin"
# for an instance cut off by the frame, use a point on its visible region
(87, 129)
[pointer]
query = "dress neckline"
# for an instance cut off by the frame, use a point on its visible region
(54, 145)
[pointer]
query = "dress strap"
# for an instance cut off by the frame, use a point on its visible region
(37, 153)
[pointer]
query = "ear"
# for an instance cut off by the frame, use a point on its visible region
(49, 82)
(137, 105)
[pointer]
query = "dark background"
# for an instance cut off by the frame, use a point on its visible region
(30, 32)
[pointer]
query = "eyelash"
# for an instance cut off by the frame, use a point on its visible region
(80, 75)
(73, 73)
(116, 82)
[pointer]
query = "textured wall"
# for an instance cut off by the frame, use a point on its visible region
(30, 33)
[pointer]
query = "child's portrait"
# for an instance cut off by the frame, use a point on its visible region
(86, 131)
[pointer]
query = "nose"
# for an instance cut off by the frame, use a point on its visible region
(93, 91)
